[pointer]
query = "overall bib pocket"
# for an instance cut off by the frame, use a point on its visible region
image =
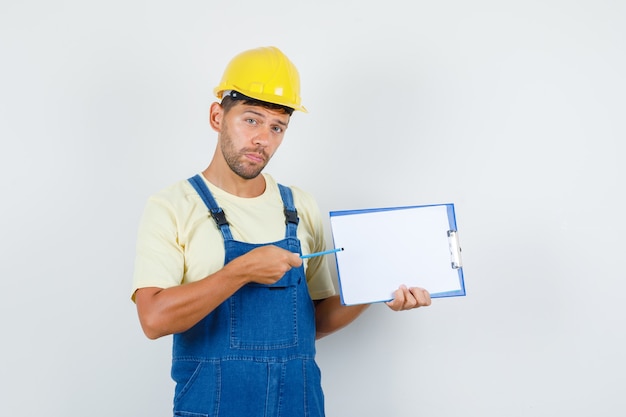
(264, 317)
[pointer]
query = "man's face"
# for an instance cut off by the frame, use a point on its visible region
(250, 135)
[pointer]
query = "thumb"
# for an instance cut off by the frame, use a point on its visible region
(294, 260)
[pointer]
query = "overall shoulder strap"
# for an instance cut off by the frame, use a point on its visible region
(291, 214)
(216, 212)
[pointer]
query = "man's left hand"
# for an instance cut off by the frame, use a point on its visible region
(409, 298)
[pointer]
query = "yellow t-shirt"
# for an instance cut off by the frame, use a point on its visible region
(178, 241)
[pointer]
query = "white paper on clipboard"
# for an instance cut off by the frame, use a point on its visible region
(387, 247)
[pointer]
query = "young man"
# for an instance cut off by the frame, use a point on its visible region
(218, 262)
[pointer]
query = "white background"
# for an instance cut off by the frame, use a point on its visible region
(514, 111)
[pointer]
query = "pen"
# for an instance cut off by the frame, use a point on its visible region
(326, 252)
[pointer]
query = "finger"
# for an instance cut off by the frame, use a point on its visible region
(398, 299)
(411, 300)
(422, 296)
(394, 305)
(294, 260)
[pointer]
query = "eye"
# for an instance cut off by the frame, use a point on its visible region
(277, 129)
(251, 121)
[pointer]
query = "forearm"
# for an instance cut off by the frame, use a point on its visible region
(331, 315)
(176, 309)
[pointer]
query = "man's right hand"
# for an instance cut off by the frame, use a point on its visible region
(265, 264)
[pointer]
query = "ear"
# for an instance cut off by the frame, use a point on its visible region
(216, 113)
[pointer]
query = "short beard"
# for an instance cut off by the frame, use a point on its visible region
(233, 158)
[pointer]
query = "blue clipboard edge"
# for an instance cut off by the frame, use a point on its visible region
(451, 224)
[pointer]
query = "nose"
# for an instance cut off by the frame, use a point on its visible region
(262, 137)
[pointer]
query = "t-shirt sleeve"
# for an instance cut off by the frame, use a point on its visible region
(318, 274)
(319, 279)
(159, 259)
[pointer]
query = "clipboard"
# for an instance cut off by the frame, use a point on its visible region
(384, 248)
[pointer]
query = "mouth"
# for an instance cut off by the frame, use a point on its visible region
(255, 157)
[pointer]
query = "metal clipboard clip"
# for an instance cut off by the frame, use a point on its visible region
(455, 249)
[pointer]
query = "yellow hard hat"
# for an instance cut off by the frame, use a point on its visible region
(264, 74)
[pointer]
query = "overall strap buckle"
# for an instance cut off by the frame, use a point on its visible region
(291, 216)
(220, 217)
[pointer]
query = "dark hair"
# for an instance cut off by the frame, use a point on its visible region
(228, 101)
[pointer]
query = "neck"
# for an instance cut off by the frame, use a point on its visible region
(227, 180)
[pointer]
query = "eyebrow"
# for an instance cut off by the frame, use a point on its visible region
(278, 121)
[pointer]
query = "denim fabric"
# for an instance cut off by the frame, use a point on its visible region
(253, 356)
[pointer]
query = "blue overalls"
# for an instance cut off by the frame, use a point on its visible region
(254, 355)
